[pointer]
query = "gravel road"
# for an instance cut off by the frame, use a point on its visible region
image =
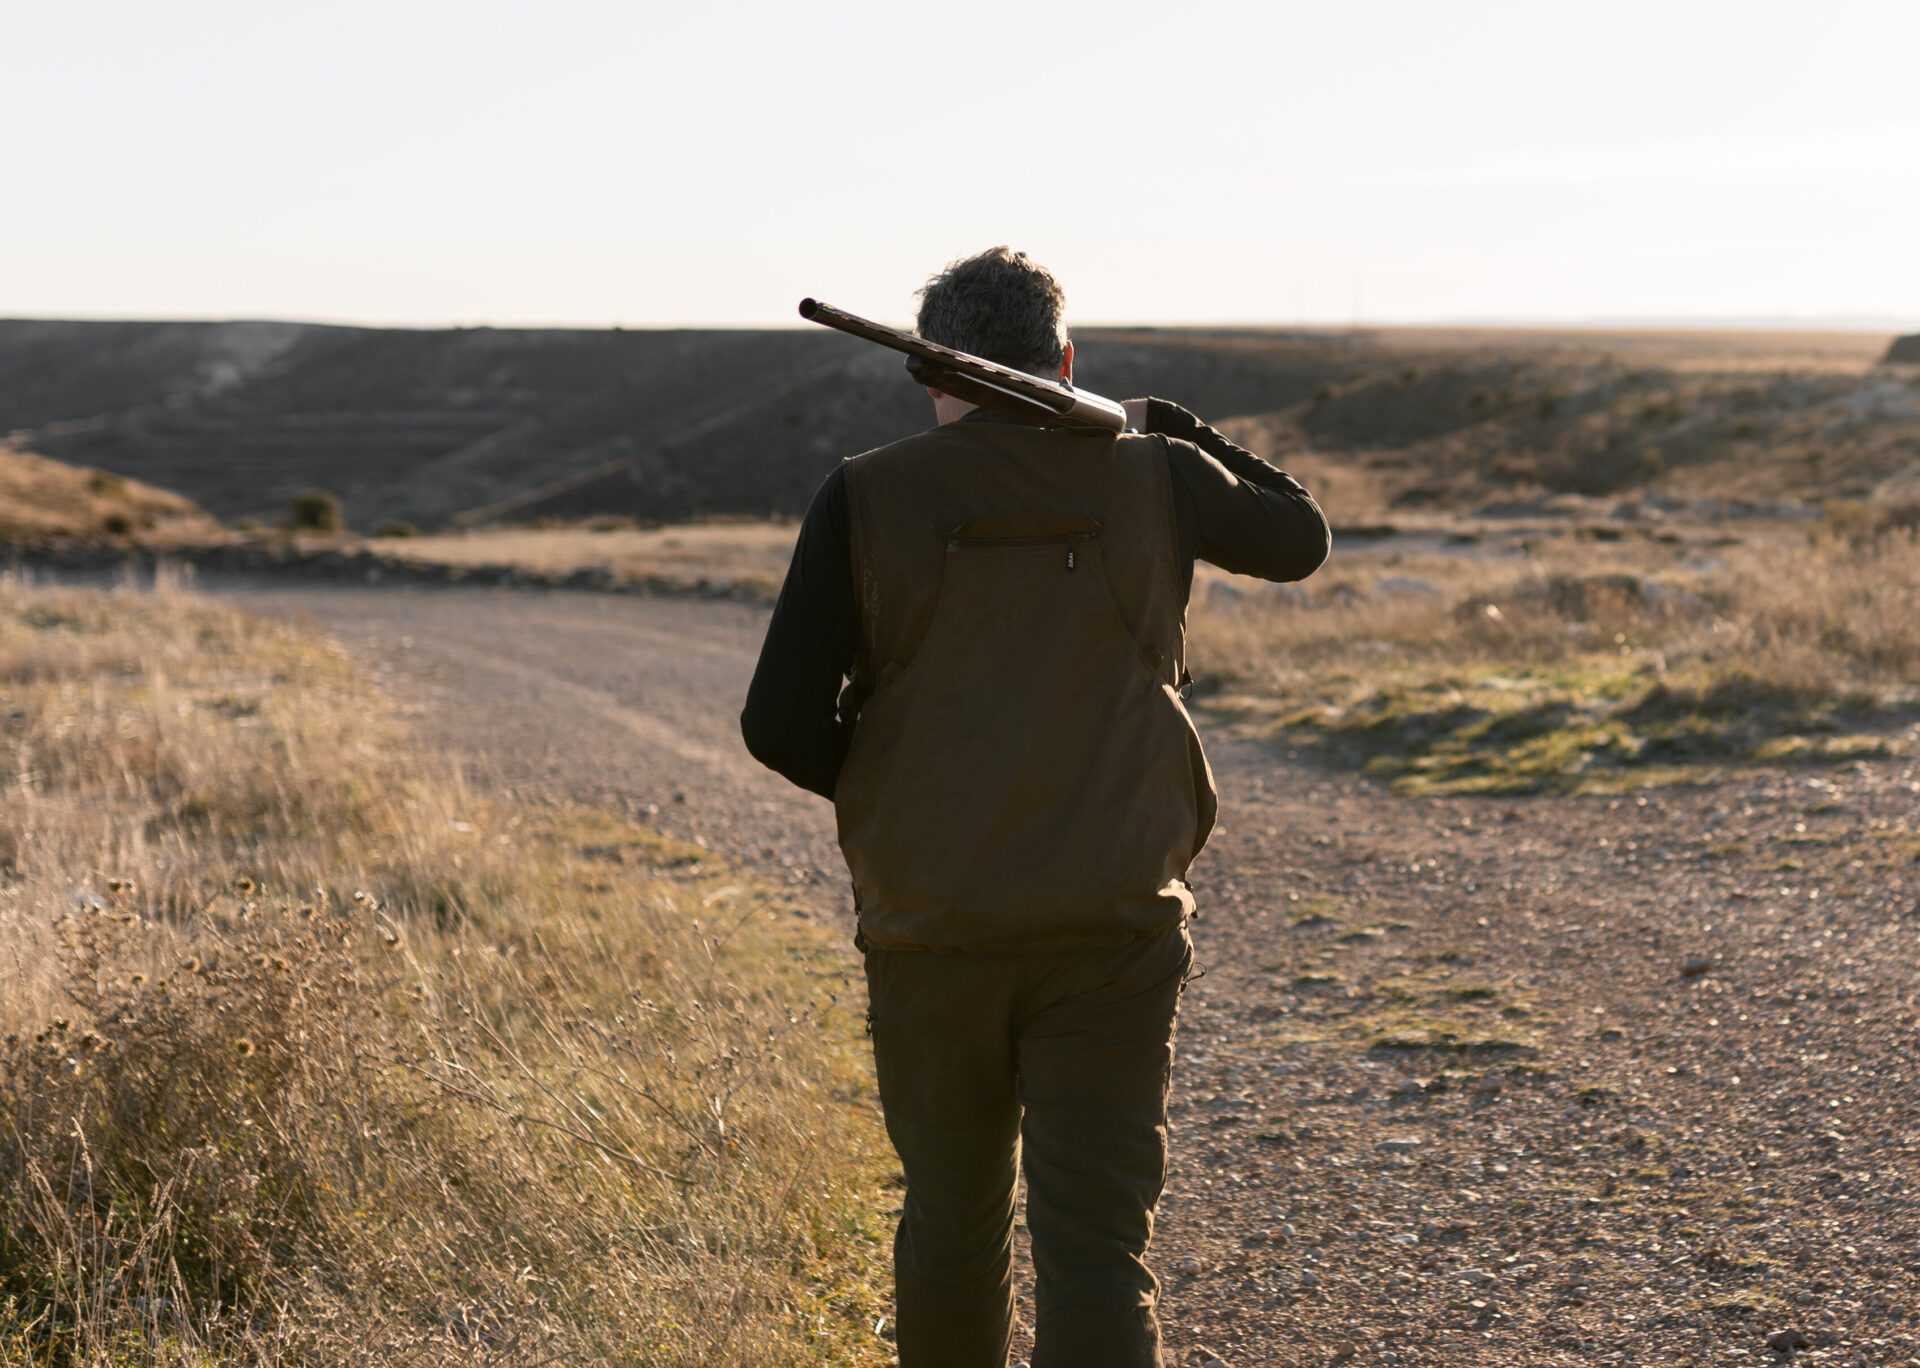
(1623, 1080)
(632, 703)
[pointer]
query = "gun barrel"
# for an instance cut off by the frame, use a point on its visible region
(986, 383)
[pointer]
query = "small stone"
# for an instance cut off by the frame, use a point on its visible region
(1285, 1232)
(1477, 1276)
(1785, 1341)
(1405, 1144)
(1693, 966)
(1409, 1087)
(1492, 1083)
(1190, 1267)
(1309, 1279)
(1344, 1350)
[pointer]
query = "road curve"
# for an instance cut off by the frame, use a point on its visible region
(628, 702)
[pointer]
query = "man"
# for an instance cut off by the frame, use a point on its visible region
(1019, 794)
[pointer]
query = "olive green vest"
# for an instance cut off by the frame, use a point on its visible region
(1023, 774)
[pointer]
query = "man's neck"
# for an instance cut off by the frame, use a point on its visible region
(948, 409)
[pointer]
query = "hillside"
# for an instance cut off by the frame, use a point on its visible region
(43, 500)
(456, 426)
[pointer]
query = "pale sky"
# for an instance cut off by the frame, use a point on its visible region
(422, 162)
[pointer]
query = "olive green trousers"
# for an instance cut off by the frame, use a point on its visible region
(1060, 1060)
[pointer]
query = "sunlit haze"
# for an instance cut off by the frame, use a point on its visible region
(635, 164)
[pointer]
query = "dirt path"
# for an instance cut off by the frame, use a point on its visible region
(628, 702)
(1602, 1080)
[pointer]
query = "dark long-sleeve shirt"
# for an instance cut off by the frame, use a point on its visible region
(1231, 509)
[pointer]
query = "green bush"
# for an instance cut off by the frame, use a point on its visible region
(315, 510)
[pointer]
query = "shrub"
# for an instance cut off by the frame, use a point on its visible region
(315, 510)
(397, 528)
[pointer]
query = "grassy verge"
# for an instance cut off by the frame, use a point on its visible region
(311, 1055)
(1582, 674)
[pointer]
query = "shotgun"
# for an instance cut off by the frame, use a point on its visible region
(978, 380)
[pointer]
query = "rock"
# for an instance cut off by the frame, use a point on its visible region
(1785, 1341)
(1693, 966)
(1309, 1279)
(1190, 1267)
(1285, 1232)
(1479, 1277)
(1904, 349)
(1492, 1083)
(1409, 1087)
(1405, 1144)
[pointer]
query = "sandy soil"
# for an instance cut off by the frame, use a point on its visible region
(1465, 1081)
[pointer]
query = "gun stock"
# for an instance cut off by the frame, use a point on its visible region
(978, 380)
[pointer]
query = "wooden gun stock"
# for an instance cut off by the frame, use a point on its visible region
(978, 380)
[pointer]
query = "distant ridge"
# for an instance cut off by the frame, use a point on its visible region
(458, 426)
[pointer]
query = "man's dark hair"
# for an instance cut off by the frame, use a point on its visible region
(1000, 304)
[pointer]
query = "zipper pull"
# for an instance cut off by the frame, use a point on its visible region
(1069, 558)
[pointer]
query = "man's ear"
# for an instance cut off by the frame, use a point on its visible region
(1066, 364)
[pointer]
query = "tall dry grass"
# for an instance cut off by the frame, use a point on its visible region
(313, 1056)
(1500, 674)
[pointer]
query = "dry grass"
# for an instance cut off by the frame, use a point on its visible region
(1579, 669)
(42, 499)
(736, 553)
(312, 1056)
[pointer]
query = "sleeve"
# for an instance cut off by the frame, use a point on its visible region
(791, 720)
(1234, 509)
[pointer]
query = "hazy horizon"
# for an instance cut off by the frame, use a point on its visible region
(1863, 325)
(1492, 164)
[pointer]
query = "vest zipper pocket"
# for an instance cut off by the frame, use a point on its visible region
(1069, 540)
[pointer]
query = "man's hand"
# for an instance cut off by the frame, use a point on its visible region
(1136, 414)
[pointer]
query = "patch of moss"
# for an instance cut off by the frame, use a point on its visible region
(1427, 1035)
(1592, 726)
(1748, 1301)
(1472, 992)
(1319, 909)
